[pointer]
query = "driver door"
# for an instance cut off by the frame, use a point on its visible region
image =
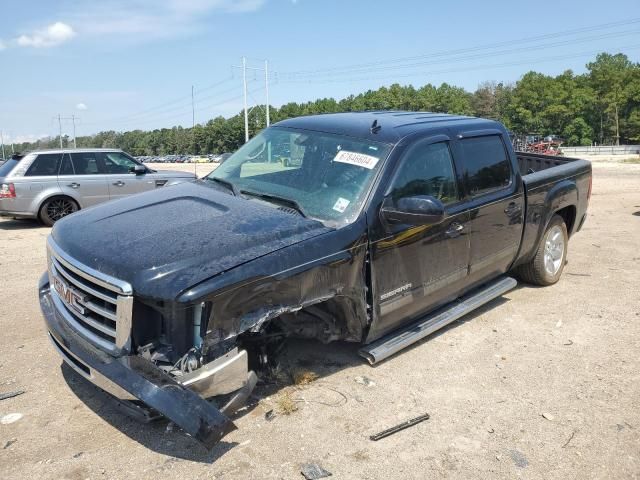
(121, 180)
(415, 269)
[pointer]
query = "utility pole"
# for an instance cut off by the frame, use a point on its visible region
(2, 141)
(244, 87)
(193, 129)
(60, 129)
(73, 119)
(266, 86)
(244, 68)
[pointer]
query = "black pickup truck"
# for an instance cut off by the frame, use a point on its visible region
(376, 227)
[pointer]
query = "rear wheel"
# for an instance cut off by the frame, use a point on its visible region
(56, 208)
(548, 263)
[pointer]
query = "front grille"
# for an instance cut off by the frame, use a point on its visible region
(96, 305)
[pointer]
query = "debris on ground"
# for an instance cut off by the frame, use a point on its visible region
(518, 458)
(568, 342)
(367, 382)
(4, 396)
(270, 415)
(313, 471)
(573, 434)
(399, 427)
(9, 443)
(304, 377)
(548, 416)
(286, 403)
(10, 418)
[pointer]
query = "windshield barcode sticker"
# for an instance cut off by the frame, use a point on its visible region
(355, 158)
(341, 205)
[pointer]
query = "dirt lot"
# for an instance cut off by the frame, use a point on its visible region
(544, 383)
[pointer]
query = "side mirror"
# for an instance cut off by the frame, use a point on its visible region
(418, 210)
(139, 169)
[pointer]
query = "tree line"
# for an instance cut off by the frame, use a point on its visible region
(600, 106)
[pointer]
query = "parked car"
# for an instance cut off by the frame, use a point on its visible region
(50, 184)
(391, 226)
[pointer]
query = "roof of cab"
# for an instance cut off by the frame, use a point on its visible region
(394, 125)
(76, 150)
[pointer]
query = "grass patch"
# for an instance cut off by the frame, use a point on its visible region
(285, 403)
(630, 160)
(304, 377)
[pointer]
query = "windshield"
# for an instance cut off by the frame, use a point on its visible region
(324, 176)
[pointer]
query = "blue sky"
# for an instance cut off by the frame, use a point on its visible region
(125, 64)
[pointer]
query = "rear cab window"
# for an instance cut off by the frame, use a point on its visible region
(486, 165)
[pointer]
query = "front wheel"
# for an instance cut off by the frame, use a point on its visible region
(548, 263)
(56, 208)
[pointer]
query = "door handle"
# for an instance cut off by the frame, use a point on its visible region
(512, 209)
(119, 183)
(454, 230)
(73, 185)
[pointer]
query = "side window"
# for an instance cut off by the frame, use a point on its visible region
(427, 170)
(115, 162)
(66, 168)
(44, 165)
(486, 165)
(85, 163)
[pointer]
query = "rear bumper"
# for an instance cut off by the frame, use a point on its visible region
(133, 377)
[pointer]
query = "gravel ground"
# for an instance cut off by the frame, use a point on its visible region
(543, 383)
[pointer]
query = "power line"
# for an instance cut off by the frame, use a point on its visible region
(463, 69)
(469, 49)
(162, 107)
(477, 56)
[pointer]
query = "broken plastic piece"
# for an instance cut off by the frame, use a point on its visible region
(313, 471)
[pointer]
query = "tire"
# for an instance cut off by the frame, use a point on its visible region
(551, 256)
(55, 208)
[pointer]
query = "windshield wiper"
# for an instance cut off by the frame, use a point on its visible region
(226, 183)
(276, 199)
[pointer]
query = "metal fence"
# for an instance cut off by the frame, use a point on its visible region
(602, 150)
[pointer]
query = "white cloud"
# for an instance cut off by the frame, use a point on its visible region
(2, 45)
(81, 106)
(149, 19)
(51, 36)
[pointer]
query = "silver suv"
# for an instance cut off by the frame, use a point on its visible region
(51, 184)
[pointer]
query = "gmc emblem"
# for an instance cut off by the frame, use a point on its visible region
(69, 295)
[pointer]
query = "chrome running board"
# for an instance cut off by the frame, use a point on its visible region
(396, 341)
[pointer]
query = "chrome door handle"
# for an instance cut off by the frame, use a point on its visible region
(454, 230)
(73, 185)
(119, 183)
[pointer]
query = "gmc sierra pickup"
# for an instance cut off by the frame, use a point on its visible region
(376, 227)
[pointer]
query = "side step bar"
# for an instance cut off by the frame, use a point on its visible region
(396, 341)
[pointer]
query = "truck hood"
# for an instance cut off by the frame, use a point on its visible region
(165, 241)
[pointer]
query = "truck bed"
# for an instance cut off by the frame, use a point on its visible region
(545, 177)
(534, 162)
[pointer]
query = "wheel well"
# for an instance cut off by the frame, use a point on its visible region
(568, 214)
(51, 198)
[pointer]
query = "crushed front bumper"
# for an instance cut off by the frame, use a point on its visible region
(133, 377)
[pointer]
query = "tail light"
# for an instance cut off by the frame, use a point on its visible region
(7, 190)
